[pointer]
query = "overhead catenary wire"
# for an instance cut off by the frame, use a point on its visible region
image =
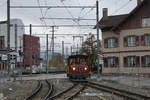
(61, 25)
(47, 11)
(90, 10)
(58, 7)
(66, 18)
(57, 26)
(3, 3)
(41, 13)
(121, 7)
(48, 7)
(70, 13)
(45, 1)
(64, 34)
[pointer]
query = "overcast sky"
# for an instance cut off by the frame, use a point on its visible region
(32, 16)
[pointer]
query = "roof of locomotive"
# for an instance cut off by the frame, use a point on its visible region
(75, 56)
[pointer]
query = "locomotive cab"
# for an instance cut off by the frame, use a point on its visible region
(77, 67)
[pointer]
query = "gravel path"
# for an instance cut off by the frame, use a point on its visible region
(123, 87)
(94, 94)
(17, 90)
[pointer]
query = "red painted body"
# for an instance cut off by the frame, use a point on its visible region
(80, 69)
(77, 67)
(35, 50)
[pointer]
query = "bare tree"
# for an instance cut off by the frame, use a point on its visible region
(89, 47)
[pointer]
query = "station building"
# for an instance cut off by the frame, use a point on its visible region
(126, 41)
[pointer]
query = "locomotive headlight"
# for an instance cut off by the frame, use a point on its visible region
(74, 68)
(85, 68)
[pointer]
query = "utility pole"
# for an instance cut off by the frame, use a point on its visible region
(21, 58)
(16, 45)
(8, 37)
(30, 49)
(53, 41)
(82, 41)
(63, 53)
(71, 50)
(77, 48)
(66, 52)
(98, 45)
(47, 53)
(16, 34)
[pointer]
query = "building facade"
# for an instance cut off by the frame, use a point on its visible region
(16, 40)
(126, 41)
(35, 50)
(16, 35)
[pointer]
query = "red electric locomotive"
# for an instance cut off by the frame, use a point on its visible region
(78, 67)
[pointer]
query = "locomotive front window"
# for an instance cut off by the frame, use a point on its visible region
(72, 61)
(83, 61)
(78, 61)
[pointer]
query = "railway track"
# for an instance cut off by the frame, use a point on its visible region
(123, 93)
(42, 92)
(69, 93)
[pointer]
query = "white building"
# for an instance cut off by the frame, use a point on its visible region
(15, 34)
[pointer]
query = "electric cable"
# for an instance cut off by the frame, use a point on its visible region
(121, 7)
(77, 22)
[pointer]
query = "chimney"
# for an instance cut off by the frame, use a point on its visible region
(139, 2)
(105, 13)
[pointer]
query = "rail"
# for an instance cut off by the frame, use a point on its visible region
(75, 94)
(123, 93)
(50, 90)
(38, 88)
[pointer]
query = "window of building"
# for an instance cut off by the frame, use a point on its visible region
(111, 62)
(147, 40)
(131, 41)
(147, 60)
(132, 61)
(145, 22)
(110, 43)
